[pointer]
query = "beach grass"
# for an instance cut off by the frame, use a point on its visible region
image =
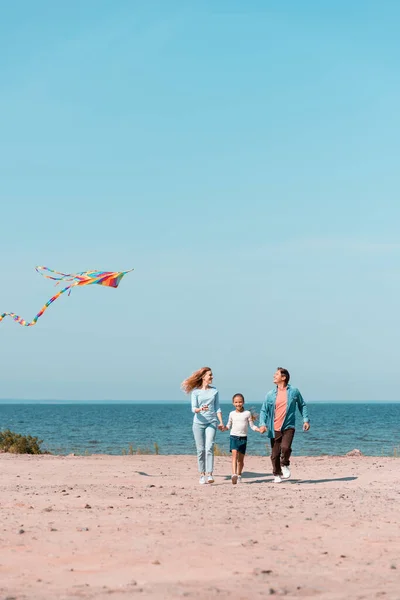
(218, 451)
(16, 443)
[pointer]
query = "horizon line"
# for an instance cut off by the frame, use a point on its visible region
(117, 401)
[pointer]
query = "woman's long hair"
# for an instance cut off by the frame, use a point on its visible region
(195, 380)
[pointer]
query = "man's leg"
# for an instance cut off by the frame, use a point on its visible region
(276, 453)
(286, 446)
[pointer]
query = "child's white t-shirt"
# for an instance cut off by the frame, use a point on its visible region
(239, 422)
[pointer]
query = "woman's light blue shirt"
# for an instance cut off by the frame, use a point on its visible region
(208, 397)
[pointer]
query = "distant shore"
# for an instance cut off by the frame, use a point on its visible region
(105, 526)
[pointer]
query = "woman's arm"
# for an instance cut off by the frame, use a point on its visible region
(195, 403)
(218, 409)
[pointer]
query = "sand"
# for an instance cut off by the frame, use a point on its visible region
(125, 527)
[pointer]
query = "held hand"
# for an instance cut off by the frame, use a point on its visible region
(221, 427)
(262, 429)
(306, 426)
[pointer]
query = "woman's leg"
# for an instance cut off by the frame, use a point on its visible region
(200, 440)
(210, 432)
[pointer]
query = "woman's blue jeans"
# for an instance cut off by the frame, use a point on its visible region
(204, 436)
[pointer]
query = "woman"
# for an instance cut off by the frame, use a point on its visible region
(207, 413)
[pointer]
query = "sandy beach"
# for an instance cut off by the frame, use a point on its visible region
(122, 527)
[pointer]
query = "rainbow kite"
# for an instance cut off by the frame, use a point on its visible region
(106, 278)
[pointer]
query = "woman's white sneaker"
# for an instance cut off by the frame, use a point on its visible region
(285, 472)
(202, 480)
(277, 479)
(210, 479)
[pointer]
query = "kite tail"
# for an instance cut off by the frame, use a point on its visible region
(24, 323)
(64, 276)
(104, 278)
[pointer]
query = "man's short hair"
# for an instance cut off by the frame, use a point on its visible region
(285, 373)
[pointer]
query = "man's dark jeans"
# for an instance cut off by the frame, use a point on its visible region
(281, 449)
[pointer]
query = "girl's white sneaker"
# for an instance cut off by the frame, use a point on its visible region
(239, 479)
(202, 480)
(234, 479)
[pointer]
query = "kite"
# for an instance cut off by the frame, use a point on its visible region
(107, 278)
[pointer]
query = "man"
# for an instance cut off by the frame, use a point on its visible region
(278, 415)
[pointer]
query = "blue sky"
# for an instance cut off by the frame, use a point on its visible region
(241, 157)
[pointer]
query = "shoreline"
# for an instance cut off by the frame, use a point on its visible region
(225, 455)
(103, 526)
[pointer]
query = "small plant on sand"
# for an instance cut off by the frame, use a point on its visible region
(218, 451)
(16, 443)
(132, 450)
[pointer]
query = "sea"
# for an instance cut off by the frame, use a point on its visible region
(166, 428)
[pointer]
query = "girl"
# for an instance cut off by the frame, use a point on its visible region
(239, 421)
(207, 413)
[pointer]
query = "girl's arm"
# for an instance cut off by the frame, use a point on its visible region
(251, 423)
(229, 423)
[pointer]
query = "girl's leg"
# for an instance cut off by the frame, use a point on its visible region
(234, 462)
(210, 433)
(240, 462)
(199, 438)
(234, 467)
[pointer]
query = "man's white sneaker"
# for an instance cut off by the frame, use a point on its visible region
(285, 472)
(277, 479)
(210, 479)
(234, 479)
(202, 480)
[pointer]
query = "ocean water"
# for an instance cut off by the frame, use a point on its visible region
(109, 428)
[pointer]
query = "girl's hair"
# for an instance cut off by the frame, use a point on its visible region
(253, 413)
(237, 396)
(195, 380)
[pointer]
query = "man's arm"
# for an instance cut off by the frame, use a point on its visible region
(263, 417)
(303, 411)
